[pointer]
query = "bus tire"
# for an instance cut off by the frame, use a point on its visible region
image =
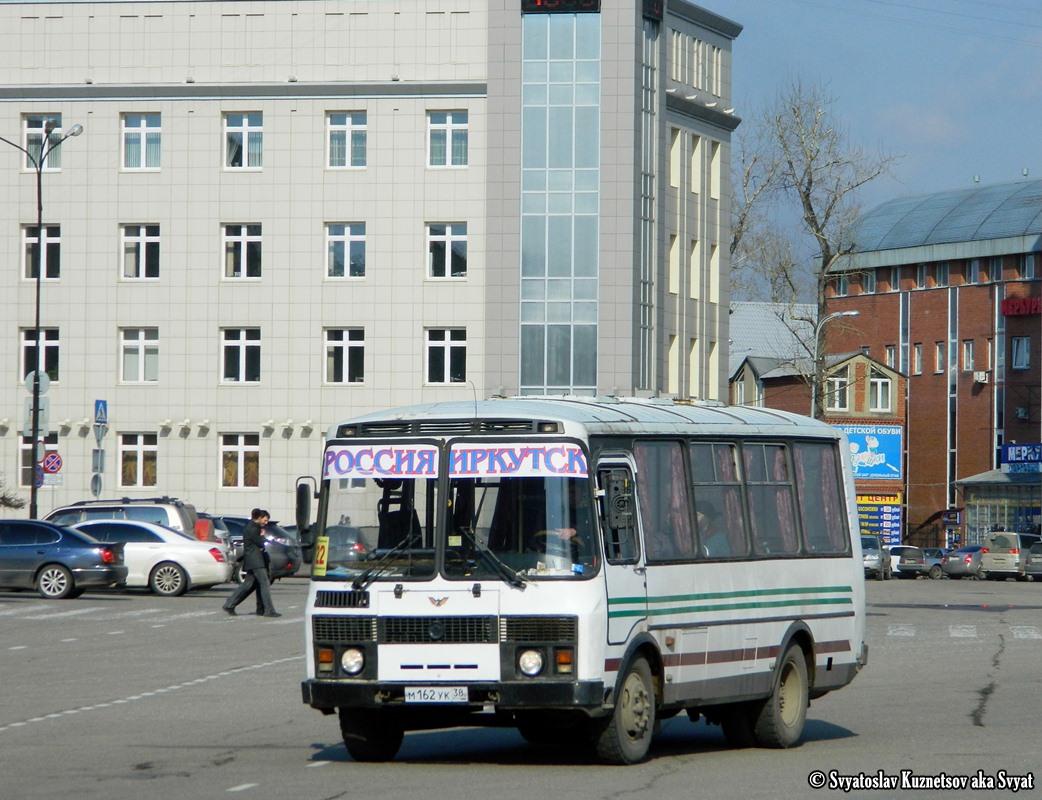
(781, 720)
(370, 735)
(626, 738)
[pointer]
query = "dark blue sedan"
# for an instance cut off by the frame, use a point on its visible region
(58, 562)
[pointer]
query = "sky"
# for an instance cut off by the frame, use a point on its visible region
(953, 88)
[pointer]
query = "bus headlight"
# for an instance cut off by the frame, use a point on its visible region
(352, 661)
(530, 662)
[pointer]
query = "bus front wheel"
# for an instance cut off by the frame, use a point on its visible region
(626, 738)
(370, 735)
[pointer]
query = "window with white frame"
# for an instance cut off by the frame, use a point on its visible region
(447, 138)
(446, 355)
(917, 358)
(891, 355)
(241, 352)
(920, 276)
(140, 351)
(138, 460)
(1027, 266)
(973, 271)
(240, 460)
(938, 356)
(49, 353)
(837, 396)
(940, 273)
(244, 140)
(868, 282)
(345, 250)
(878, 391)
(142, 140)
(967, 355)
(841, 285)
(1021, 346)
(347, 138)
(895, 279)
(140, 251)
(242, 251)
(995, 268)
(50, 255)
(27, 473)
(345, 355)
(447, 250)
(35, 130)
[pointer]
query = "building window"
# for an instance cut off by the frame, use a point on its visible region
(140, 251)
(345, 249)
(973, 271)
(447, 138)
(51, 253)
(940, 274)
(938, 356)
(841, 285)
(142, 136)
(1021, 352)
(868, 282)
(995, 269)
(35, 129)
(878, 392)
(244, 140)
(240, 460)
(347, 138)
(967, 355)
(837, 397)
(1027, 266)
(241, 348)
(891, 355)
(28, 470)
(917, 358)
(446, 355)
(140, 355)
(49, 357)
(138, 459)
(895, 279)
(242, 251)
(345, 355)
(447, 250)
(920, 276)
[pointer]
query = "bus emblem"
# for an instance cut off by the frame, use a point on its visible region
(438, 602)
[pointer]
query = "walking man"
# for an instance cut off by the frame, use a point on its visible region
(255, 566)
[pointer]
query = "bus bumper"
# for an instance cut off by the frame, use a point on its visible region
(587, 695)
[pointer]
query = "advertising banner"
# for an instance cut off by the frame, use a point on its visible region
(875, 451)
(880, 514)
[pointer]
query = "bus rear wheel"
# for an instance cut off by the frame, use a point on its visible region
(626, 738)
(370, 735)
(781, 720)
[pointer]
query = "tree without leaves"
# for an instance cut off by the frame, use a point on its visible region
(796, 162)
(8, 500)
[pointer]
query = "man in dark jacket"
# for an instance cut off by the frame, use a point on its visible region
(255, 567)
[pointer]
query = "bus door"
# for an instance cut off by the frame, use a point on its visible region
(624, 567)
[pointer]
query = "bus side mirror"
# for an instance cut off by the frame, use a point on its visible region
(619, 503)
(303, 509)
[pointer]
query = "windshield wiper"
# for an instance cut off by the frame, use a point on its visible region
(515, 579)
(366, 577)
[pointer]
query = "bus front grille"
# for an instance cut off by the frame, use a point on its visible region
(337, 599)
(332, 630)
(540, 629)
(438, 630)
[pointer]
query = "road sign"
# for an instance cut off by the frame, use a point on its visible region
(95, 485)
(44, 421)
(52, 462)
(97, 460)
(101, 412)
(45, 382)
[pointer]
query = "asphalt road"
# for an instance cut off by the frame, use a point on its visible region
(127, 696)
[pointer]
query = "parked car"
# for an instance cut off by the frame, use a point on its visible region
(907, 561)
(934, 556)
(166, 561)
(1003, 552)
(963, 563)
(58, 562)
(876, 558)
(346, 543)
(281, 547)
(168, 511)
(1033, 562)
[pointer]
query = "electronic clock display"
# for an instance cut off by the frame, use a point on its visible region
(560, 6)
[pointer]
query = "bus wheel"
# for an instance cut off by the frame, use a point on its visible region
(370, 735)
(780, 722)
(627, 736)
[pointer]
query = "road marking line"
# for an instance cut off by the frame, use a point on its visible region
(963, 631)
(1026, 632)
(59, 614)
(900, 630)
(242, 787)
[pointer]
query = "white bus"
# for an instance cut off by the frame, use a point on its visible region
(580, 569)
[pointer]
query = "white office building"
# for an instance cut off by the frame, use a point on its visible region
(282, 213)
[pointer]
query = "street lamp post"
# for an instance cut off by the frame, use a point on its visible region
(818, 371)
(47, 146)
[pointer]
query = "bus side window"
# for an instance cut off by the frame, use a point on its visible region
(617, 515)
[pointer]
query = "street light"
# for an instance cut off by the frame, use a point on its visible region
(817, 366)
(47, 146)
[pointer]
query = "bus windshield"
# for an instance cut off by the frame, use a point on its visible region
(513, 512)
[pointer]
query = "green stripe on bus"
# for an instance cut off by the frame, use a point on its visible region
(617, 601)
(655, 612)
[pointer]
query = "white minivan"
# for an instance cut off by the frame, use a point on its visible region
(1003, 554)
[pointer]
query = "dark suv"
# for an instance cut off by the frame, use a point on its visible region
(283, 549)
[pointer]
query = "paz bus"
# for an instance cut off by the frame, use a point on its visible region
(581, 569)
